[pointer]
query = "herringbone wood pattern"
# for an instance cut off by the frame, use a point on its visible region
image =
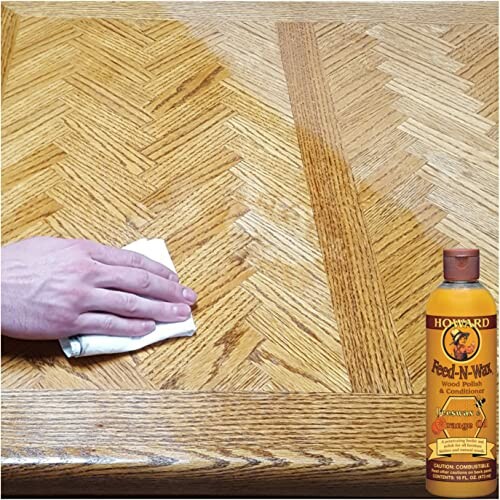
(115, 130)
(417, 133)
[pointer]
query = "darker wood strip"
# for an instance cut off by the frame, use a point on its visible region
(27, 214)
(371, 350)
(31, 165)
(10, 23)
(149, 443)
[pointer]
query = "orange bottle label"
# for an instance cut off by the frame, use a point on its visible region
(461, 398)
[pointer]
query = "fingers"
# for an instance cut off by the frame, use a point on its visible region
(119, 257)
(144, 283)
(132, 306)
(107, 324)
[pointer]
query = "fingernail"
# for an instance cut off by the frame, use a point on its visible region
(182, 310)
(174, 277)
(189, 295)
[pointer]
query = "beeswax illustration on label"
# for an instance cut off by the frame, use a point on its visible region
(461, 383)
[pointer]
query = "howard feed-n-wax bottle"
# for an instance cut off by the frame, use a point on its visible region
(461, 381)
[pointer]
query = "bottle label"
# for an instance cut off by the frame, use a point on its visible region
(461, 398)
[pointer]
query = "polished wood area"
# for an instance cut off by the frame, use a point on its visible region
(305, 167)
(157, 442)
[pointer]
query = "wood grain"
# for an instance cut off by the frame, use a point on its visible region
(116, 151)
(406, 87)
(207, 443)
(195, 123)
(369, 339)
(409, 12)
(9, 31)
(189, 120)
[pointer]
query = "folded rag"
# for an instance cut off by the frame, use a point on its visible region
(92, 344)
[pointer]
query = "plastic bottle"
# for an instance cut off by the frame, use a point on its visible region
(461, 381)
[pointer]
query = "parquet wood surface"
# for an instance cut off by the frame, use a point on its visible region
(308, 213)
(306, 165)
(205, 444)
(409, 12)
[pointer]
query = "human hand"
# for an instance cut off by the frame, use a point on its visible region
(54, 288)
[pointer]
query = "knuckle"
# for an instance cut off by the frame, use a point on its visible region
(78, 266)
(79, 298)
(63, 317)
(111, 278)
(129, 304)
(82, 245)
(90, 268)
(144, 280)
(62, 293)
(136, 260)
(71, 321)
(108, 324)
(74, 294)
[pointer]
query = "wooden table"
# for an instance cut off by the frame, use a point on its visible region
(306, 164)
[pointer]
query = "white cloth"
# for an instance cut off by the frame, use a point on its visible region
(92, 344)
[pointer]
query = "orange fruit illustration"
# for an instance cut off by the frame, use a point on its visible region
(438, 425)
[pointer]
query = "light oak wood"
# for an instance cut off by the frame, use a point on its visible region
(317, 169)
(199, 443)
(441, 12)
(9, 30)
(407, 117)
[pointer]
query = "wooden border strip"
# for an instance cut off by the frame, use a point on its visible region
(407, 12)
(10, 23)
(374, 360)
(156, 443)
